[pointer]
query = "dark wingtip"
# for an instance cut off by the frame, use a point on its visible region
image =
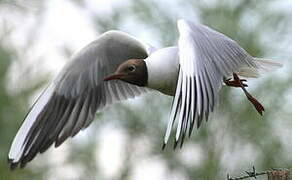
(175, 144)
(13, 166)
(22, 165)
(199, 123)
(182, 140)
(191, 128)
(206, 117)
(59, 141)
(163, 146)
(181, 143)
(57, 144)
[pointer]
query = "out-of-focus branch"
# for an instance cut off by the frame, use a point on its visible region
(275, 174)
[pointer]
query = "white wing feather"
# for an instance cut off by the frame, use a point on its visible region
(205, 56)
(71, 101)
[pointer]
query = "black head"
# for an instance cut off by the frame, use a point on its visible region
(133, 71)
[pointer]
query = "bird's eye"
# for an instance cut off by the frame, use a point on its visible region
(132, 68)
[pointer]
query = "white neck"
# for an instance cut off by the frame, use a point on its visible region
(163, 66)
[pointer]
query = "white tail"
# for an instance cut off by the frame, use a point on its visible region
(264, 66)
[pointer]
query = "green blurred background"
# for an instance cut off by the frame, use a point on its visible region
(124, 142)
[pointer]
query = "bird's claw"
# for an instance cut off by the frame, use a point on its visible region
(235, 82)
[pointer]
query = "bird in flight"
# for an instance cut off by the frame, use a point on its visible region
(118, 66)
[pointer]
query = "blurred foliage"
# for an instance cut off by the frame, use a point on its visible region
(234, 139)
(12, 108)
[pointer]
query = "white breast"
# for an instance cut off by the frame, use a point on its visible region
(163, 66)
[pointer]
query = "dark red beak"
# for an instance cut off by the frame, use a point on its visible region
(113, 77)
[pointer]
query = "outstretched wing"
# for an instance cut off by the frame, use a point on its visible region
(206, 57)
(71, 101)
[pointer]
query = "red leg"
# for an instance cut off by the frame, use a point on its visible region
(239, 83)
(259, 107)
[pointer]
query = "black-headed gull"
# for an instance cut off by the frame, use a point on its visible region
(117, 66)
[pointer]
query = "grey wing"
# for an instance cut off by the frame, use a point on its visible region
(206, 56)
(71, 101)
